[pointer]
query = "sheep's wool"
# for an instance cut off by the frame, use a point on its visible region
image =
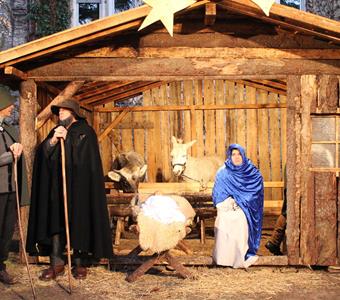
(157, 236)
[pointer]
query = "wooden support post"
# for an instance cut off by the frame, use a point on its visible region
(293, 168)
(68, 92)
(210, 14)
(28, 138)
(307, 239)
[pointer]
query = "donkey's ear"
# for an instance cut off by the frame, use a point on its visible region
(174, 140)
(188, 145)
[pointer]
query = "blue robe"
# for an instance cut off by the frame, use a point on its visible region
(244, 183)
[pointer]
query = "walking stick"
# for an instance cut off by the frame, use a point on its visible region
(20, 226)
(63, 165)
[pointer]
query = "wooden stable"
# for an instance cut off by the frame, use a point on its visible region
(229, 74)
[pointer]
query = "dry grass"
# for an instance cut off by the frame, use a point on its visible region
(211, 283)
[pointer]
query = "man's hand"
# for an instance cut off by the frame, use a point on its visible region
(16, 149)
(59, 132)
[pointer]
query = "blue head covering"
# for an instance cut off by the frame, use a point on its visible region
(244, 183)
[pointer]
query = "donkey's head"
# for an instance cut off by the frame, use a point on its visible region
(179, 155)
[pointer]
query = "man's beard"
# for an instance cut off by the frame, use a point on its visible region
(66, 122)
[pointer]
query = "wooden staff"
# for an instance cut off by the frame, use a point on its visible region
(23, 244)
(68, 244)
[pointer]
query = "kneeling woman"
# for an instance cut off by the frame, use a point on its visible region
(238, 197)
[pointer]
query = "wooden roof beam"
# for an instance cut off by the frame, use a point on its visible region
(103, 89)
(68, 92)
(262, 87)
(210, 14)
(16, 73)
(116, 91)
(285, 16)
(130, 93)
(55, 91)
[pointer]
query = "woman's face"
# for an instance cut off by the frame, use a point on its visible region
(236, 157)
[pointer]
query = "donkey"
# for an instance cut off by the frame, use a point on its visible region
(191, 169)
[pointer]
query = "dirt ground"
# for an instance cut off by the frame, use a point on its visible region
(160, 283)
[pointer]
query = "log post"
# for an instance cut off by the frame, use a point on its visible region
(28, 138)
(293, 168)
(307, 239)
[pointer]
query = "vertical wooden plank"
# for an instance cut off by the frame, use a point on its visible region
(325, 218)
(106, 144)
(138, 133)
(155, 143)
(220, 120)
(117, 141)
(240, 116)
(28, 139)
(198, 148)
(126, 133)
(275, 146)
(263, 140)
(209, 118)
(149, 146)
(230, 114)
(338, 233)
(251, 131)
(293, 168)
(174, 98)
(188, 100)
(283, 125)
(165, 135)
(328, 94)
(307, 242)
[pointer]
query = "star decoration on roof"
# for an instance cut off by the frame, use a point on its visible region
(265, 5)
(164, 11)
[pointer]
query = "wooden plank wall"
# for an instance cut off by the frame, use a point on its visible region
(262, 132)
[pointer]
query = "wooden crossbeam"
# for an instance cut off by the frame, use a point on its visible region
(210, 14)
(195, 107)
(113, 124)
(16, 73)
(68, 92)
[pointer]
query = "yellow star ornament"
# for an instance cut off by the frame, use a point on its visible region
(164, 11)
(265, 5)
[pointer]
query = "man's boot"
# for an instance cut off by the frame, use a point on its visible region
(273, 245)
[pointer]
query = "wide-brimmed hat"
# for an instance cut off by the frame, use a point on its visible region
(69, 104)
(6, 99)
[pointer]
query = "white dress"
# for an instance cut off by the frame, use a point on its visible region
(231, 236)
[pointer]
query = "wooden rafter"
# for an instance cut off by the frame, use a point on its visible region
(288, 17)
(74, 36)
(131, 93)
(82, 96)
(68, 92)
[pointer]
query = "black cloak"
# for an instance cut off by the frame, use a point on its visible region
(88, 216)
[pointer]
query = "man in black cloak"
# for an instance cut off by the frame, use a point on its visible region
(88, 218)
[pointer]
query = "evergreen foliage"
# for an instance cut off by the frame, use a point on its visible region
(49, 16)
